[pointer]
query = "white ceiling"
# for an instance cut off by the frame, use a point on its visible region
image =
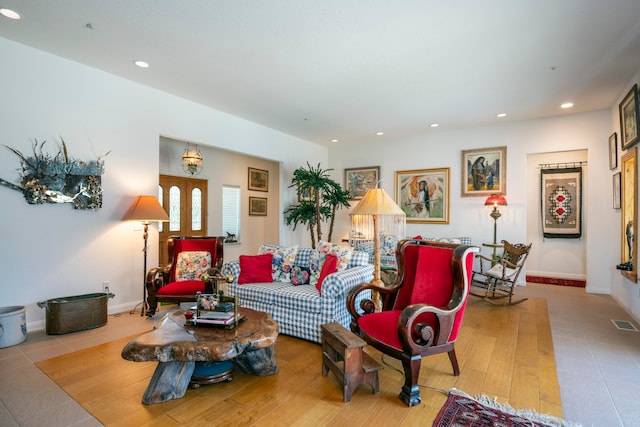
(345, 69)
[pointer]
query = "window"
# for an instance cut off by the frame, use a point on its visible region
(231, 210)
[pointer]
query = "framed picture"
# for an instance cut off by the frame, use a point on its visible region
(258, 206)
(484, 171)
(258, 179)
(423, 195)
(617, 183)
(306, 195)
(613, 151)
(629, 118)
(358, 180)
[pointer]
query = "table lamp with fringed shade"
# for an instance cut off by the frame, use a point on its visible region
(495, 200)
(146, 209)
(386, 217)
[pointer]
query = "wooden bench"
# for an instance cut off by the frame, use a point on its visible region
(342, 354)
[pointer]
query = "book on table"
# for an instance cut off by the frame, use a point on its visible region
(215, 317)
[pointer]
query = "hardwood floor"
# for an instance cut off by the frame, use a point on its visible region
(504, 352)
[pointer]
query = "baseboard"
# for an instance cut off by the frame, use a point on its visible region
(557, 281)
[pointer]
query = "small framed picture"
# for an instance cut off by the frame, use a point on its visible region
(306, 195)
(484, 171)
(423, 195)
(613, 151)
(358, 181)
(258, 206)
(616, 190)
(258, 179)
(629, 118)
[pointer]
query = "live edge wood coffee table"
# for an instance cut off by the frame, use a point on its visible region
(177, 347)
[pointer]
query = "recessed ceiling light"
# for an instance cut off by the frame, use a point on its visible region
(501, 115)
(334, 140)
(11, 14)
(379, 133)
(141, 64)
(434, 125)
(567, 105)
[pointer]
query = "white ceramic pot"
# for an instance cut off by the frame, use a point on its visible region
(13, 325)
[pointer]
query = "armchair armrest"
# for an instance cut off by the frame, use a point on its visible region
(338, 284)
(366, 305)
(416, 336)
(484, 259)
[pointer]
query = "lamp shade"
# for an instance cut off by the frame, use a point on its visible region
(496, 200)
(146, 209)
(377, 202)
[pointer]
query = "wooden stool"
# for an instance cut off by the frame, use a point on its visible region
(342, 354)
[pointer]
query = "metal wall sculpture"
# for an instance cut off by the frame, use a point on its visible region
(59, 178)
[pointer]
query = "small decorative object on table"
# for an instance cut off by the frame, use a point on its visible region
(215, 310)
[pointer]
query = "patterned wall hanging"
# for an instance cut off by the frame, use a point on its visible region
(59, 178)
(561, 202)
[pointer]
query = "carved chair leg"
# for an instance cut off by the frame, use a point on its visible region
(152, 303)
(410, 393)
(454, 362)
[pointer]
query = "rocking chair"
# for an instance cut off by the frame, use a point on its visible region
(497, 277)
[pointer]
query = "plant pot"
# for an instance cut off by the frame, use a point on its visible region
(13, 325)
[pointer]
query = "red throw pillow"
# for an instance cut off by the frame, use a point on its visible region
(255, 269)
(330, 266)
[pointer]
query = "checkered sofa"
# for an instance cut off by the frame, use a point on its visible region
(300, 310)
(389, 243)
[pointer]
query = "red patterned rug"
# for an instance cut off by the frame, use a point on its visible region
(462, 410)
(556, 281)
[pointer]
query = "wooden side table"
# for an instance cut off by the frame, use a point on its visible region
(342, 354)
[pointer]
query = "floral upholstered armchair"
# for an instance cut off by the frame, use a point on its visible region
(192, 264)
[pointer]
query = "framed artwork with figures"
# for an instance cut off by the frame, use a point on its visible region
(484, 171)
(423, 195)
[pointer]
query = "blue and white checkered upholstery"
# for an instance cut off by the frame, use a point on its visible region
(389, 261)
(300, 310)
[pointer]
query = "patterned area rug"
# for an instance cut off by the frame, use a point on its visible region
(556, 281)
(462, 410)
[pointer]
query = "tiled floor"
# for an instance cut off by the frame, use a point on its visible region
(598, 365)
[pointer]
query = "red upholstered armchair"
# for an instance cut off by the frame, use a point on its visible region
(188, 259)
(422, 311)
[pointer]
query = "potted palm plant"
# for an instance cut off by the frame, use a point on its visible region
(319, 198)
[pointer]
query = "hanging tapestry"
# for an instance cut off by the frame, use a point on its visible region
(561, 202)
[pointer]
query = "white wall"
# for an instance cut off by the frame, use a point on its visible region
(627, 293)
(52, 251)
(587, 132)
(555, 257)
(224, 167)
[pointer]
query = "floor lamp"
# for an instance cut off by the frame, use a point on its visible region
(377, 204)
(145, 209)
(495, 200)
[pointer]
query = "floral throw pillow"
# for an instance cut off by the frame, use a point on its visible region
(283, 259)
(320, 254)
(300, 275)
(190, 265)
